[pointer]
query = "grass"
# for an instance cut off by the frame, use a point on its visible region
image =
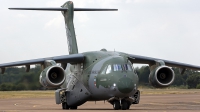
(50, 94)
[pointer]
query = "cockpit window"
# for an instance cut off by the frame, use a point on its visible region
(109, 69)
(130, 68)
(104, 70)
(117, 67)
(127, 67)
(124, 67)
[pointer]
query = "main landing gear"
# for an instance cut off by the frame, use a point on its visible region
(66, 107)
(136, 96)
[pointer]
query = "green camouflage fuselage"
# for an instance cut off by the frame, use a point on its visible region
(103, 85)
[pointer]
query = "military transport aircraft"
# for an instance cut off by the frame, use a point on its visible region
(98, 75)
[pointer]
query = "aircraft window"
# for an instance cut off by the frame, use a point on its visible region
(117, 67)
(104, 70)
(134, 70)
(128, 67)
(125, 67)
(109, 69)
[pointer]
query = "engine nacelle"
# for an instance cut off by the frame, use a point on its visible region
(52, 76)
(161, 76)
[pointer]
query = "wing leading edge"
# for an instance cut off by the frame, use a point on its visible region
(151, 61)
(74, 58)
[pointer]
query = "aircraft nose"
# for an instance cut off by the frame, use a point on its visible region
(125, 85)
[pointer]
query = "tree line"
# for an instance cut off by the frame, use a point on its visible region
(17, 79)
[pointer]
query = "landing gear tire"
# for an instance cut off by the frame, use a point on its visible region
(116, 105)
(128, 107)
(124, 105)
(137, 97)
(73, 107)
(65, 106)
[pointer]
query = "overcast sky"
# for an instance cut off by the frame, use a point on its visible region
(166, 29)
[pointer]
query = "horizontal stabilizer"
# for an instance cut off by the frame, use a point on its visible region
(63, 9)
(44, 9)
(92, 9)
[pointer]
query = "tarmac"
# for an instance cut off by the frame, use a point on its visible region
(148, 103)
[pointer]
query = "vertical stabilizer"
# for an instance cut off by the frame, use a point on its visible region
(69, 25)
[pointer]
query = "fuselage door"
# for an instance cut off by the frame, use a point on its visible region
(103, 78)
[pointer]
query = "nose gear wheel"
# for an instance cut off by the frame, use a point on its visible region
(124, 105)
(116, 105)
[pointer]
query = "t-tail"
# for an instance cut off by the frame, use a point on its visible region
(68, 13)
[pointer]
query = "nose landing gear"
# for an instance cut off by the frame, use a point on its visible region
(116, 105)
(123, 104)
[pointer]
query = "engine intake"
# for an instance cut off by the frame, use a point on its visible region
(162, 76)
(52, 76)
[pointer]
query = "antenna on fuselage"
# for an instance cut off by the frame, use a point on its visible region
(68, 13)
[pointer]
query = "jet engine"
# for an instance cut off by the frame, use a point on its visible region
(162, 76)
(52, 76)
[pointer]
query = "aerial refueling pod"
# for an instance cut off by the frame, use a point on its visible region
(161, 76)
(52, 76)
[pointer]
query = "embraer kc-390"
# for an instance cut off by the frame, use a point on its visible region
(98, 75)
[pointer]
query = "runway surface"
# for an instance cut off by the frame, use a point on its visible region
(148, 103)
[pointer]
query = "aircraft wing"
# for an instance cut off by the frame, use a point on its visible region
(73, 58)
(151, 61)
